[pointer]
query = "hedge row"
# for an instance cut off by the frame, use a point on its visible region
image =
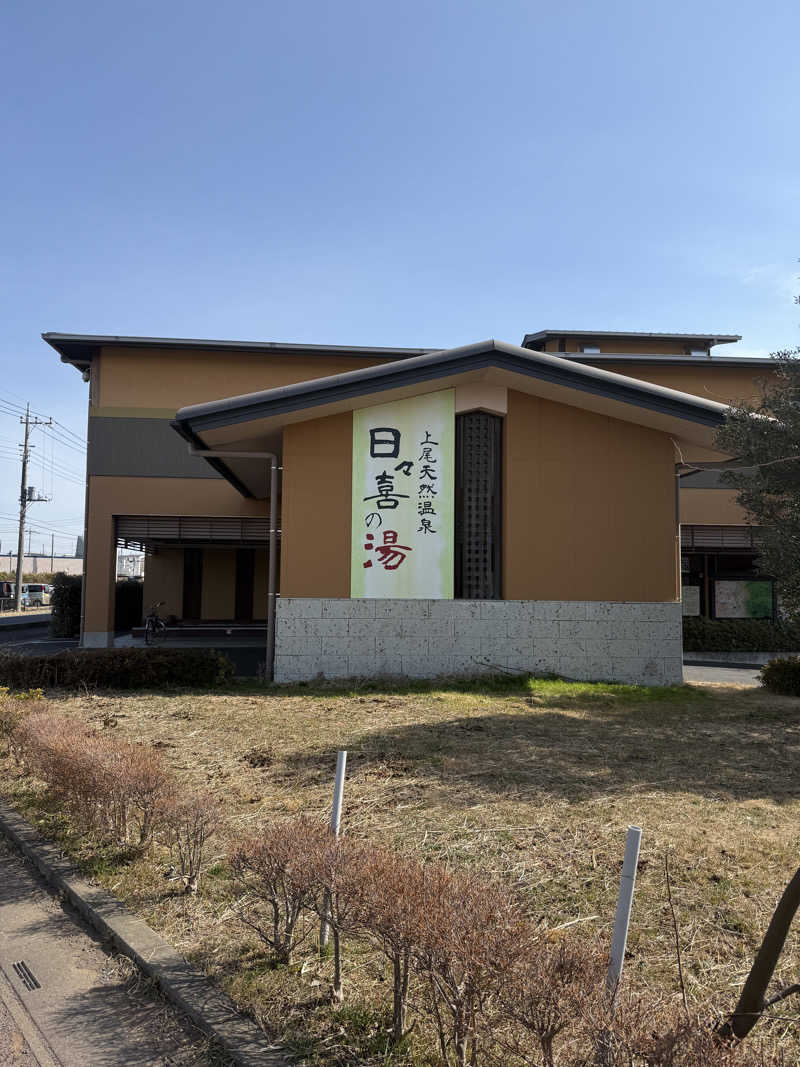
(782, 676)
(115, 788)
(739, 635)
(487, 981)
(65, 605)
(117, 668)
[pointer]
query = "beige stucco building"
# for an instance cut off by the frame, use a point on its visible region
(563, 497)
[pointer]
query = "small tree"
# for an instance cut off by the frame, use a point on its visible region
(548, 993)
(394, 903)
(189, 821)
(336, 867)
(272, 870)
(150, 787)
(470, 937)
(764, 439)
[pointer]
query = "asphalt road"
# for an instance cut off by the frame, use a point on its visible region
(33, 639)
(747, 676)
(65, 1001)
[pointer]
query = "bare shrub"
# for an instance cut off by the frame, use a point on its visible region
(14, 707)
(53, 748)
(189, 821)
(545, 996)
(273, 873)
(393, 892)
(649, 1032)
(470, 935)
(335, 869)
(150, 787)
(644, 1030)
(108, 785)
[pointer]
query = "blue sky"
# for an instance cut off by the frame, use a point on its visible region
(423, 174)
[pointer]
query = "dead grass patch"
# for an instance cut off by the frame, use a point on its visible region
(533, 781)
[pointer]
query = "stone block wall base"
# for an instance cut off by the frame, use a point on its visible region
(97, 639)
(636, 643)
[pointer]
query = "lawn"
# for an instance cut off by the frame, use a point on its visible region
(536, 780)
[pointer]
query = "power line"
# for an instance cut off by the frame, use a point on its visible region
(67, 430)
(63, 475)
(65, 441)
(10, 408)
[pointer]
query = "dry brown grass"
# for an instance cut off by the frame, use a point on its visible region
(536, 782)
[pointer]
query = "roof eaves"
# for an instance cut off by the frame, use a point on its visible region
(74, 348)
(444, 364)
(217, 464)
(664, 360)
(716, 338)
(634, 333)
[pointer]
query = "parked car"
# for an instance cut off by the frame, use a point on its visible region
(35, 595)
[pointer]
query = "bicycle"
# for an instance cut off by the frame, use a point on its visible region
(155, 629)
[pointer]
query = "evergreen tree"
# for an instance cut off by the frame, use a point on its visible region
(764, 438)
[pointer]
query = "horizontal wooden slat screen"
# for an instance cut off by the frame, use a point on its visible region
(143, 529)
(693, 536)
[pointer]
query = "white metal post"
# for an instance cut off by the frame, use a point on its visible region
(336, 822)
(624, 903)
(338, 790)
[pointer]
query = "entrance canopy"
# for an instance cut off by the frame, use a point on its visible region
(255, 422)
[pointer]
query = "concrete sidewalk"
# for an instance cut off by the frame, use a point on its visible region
(69, 1002)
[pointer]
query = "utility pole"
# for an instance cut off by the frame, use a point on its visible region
(52, 550)
(26, 496)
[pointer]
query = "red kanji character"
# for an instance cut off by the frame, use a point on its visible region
(390, 554)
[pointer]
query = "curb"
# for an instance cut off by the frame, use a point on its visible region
(742, 658)
(209, 1009)
(739, 665)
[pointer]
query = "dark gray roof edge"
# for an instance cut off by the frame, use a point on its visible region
(62, 342)
(672, 361)
(443, 364)
(721, 338)
(218, 465)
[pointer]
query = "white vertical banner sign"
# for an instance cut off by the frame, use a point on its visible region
(403, 498)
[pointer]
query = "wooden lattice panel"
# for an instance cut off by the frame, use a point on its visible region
(478, 505)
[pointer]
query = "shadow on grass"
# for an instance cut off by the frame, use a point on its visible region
(487, 684)
(577, 741)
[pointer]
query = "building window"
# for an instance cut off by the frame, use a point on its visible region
(591, 350)
(725, 584)
(478, 518)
